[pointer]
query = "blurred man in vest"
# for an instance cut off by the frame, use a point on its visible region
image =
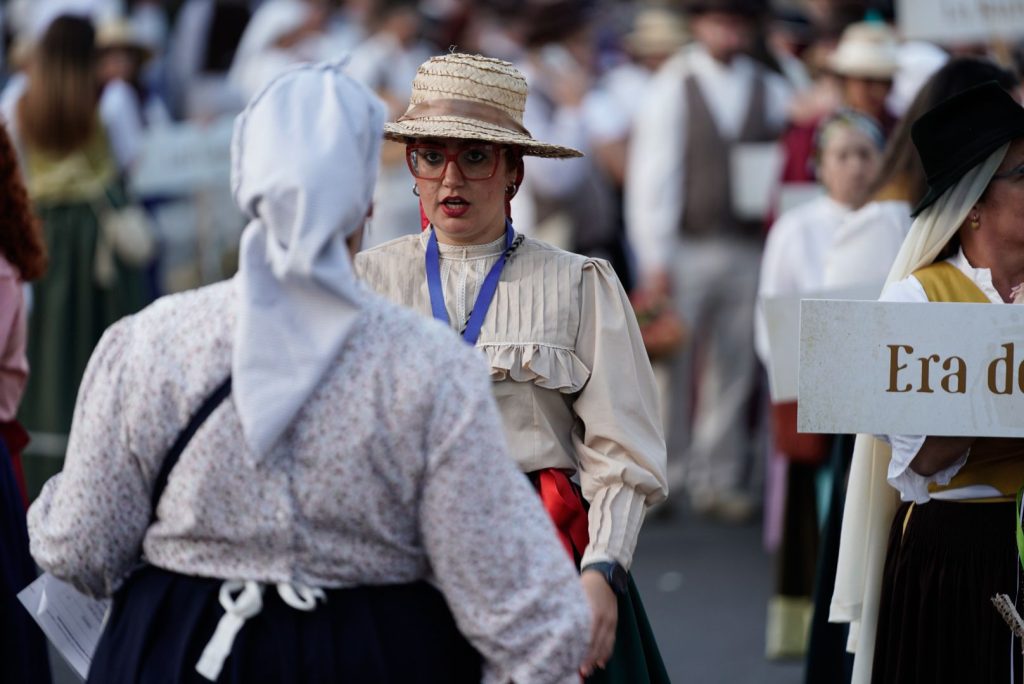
(693, 241)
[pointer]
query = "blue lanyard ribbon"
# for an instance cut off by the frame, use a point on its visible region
(487, 290)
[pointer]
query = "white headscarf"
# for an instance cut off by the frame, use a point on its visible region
(870, 501)
(304, 162)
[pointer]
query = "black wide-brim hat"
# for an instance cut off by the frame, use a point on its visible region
(961, 132)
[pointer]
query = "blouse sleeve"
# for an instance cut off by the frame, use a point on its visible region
(87, 525)
(513, 590)
(911, 485)
(619, 440)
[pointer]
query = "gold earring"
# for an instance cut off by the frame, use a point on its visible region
(975, 221)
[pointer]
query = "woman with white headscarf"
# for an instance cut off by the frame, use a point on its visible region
(334, 510)
(920, 611)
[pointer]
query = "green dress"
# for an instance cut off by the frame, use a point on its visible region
(70, 309)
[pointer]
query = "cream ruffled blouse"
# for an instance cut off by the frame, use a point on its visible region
(569, 369)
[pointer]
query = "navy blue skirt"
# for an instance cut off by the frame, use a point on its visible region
(161, 622)
(22, 645)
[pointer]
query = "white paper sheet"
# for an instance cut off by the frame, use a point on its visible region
(71, 621)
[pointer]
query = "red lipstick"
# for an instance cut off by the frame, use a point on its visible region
(454, 206)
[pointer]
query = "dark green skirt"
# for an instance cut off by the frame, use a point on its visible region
(69, 314)
(636, 659)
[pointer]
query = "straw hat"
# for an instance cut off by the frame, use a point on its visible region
(121, 34)
(656, 31)
(866, 50)
(470, 97)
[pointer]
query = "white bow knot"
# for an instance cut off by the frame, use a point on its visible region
(238, 609)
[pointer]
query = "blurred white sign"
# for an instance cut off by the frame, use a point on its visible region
(782, 319)
(183, 158)
(792, 195)
(754, 171)
(71, 621)
(960, 21)
(912, 369)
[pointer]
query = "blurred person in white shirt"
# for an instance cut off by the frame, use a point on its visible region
(848, 155)
(387, 63)
(283, 33)
(691, 244)
(573, 202)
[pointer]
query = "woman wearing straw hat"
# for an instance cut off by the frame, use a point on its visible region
(921, 610)
(332, 512)
(865, 62)
(573, 382)
(861, 71)
(129, 104)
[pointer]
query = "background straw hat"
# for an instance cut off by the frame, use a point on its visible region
(120, 34)
(470, 97)
(656, 31)
(866, 50)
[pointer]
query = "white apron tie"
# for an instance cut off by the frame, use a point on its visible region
(237, 610)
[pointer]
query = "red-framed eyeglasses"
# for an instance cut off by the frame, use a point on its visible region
(475, 161)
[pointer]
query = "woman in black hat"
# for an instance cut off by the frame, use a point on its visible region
(946, 558)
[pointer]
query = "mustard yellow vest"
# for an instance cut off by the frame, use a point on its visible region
(989, 463)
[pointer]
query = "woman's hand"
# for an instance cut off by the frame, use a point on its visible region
(605, 609)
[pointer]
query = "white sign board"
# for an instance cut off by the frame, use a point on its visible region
(182, 158)
(782, 320)
(911, 369)
(960, 21)
(71, 621)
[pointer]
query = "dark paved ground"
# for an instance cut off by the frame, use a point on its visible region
(705, 586)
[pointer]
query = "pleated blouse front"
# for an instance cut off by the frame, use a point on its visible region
(568, 366)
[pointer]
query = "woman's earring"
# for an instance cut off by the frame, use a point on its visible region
(416, 190)
(511, 190)
(975, 221)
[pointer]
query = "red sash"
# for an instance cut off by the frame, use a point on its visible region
(564, 504)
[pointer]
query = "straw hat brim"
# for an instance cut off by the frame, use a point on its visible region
(864, 66)
(462, 128)
(653, 45)
(121, 36)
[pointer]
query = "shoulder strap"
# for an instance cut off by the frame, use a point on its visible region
(184, 437)
(944, 282)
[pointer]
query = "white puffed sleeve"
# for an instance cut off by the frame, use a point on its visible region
(620, 446)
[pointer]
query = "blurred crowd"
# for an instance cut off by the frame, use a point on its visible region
(734, 149)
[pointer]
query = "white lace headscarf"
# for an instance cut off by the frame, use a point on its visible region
(870, 501)
(304, 162)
